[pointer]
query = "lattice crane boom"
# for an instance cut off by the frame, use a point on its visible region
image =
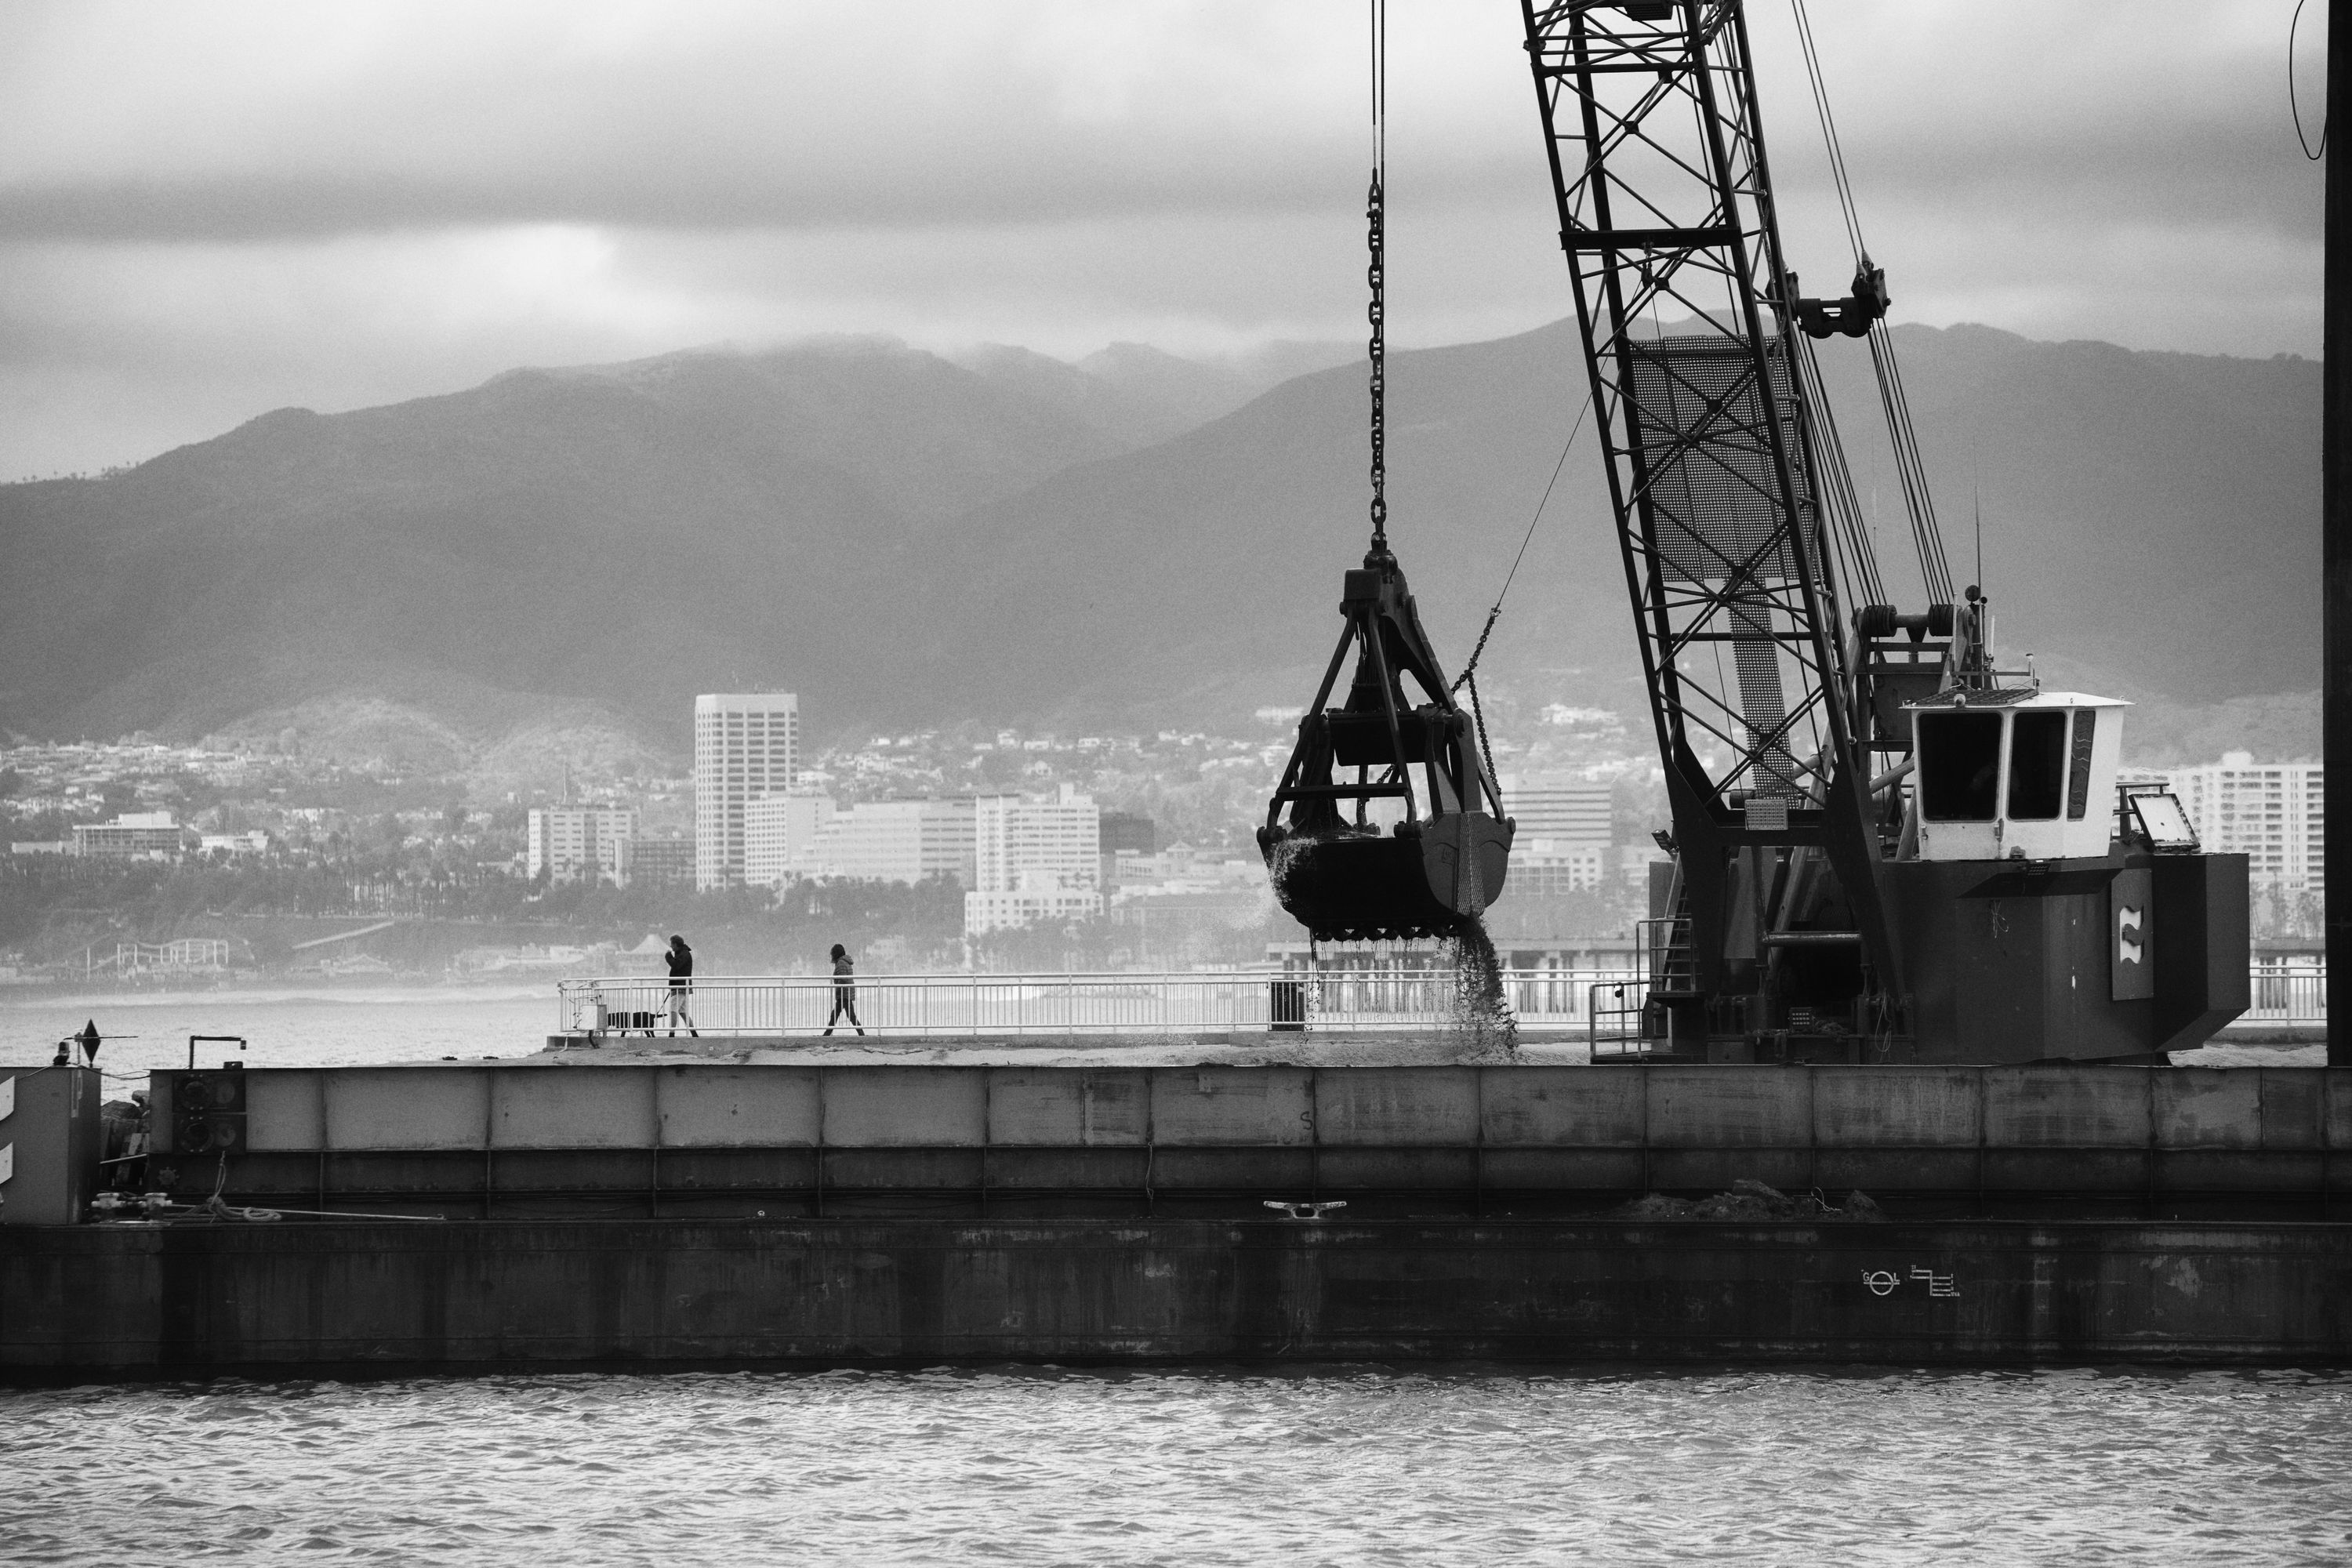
(1713, 455)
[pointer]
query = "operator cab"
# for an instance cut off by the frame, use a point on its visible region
(2013, 774)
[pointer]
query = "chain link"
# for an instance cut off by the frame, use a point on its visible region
(1374, 313)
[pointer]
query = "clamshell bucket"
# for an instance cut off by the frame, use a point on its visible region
(1339, 871)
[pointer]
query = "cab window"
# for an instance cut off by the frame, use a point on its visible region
(1960, 766)
(2037, 766)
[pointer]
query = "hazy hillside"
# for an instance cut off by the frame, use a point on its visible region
(899, 538)
(619, 534)
(2150, 526)
(1131, 392)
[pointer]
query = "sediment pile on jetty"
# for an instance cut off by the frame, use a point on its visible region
(1750, 1199)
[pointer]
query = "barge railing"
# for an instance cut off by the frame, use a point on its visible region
(1604, 1006)
(1191, 1002)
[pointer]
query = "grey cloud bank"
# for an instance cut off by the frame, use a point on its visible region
(207, 210)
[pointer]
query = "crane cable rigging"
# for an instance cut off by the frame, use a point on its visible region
(1927, 536)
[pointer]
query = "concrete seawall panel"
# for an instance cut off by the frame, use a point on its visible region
(488, 1141)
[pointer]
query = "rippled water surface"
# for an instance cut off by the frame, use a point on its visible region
(1178, 1468)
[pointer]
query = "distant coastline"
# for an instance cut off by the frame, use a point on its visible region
(28, 997)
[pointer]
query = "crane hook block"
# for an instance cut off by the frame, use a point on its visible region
(1344, 863)
(1852, 316)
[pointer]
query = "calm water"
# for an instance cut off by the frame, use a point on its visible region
(2073, 1466)
(281, 1030)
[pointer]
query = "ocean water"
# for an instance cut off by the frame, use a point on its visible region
(1335, 1466)
(341, 1028)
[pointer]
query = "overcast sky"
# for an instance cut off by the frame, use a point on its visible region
(209, 210)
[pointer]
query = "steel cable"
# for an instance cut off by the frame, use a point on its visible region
(1911, 469)
(1487, 630)
(2292, 106)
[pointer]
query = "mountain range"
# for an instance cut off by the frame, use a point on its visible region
(1128, 542)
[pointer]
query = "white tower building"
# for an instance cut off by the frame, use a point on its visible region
(746, 745)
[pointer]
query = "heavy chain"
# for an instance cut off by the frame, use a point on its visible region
(1373, 314)
(1375, 206)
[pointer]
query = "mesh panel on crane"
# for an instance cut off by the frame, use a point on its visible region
(1698, 418)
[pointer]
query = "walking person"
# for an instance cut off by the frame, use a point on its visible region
(845, 990)
(680, 959)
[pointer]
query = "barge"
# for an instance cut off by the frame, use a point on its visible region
(542, 1212)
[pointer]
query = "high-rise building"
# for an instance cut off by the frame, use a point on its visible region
(571, 842)
(2275, 813)
(1033, 859)
(1562, 808)
(746, 745)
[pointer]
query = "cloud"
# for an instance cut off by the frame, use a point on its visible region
(259, 203)
(211, 122)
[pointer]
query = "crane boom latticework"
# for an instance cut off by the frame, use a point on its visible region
(1705, 399)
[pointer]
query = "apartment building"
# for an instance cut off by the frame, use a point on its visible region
(1561, 807)
(746, 746)
(1033, 861)
(576, 842)
(2275, 813)
(133, 835)
(780, 836)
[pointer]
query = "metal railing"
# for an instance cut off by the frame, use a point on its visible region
(2283, 995)
(1196, 1002)
(1615, 1008)
(1606, 1006)
(1613, 1012)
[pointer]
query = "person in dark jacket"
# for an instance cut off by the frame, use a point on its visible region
(845, 990)
(680, 959)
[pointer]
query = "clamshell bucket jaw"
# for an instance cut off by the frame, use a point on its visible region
(1346, 867)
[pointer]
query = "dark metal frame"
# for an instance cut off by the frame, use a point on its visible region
(1665, 203)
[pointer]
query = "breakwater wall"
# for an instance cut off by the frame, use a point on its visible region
(485, 1140)
(332, 1298)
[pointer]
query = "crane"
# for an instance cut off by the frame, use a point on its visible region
(1883, 847)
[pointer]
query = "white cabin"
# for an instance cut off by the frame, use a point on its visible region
(2015, 774)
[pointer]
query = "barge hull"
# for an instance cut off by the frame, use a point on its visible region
(336, 1296)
